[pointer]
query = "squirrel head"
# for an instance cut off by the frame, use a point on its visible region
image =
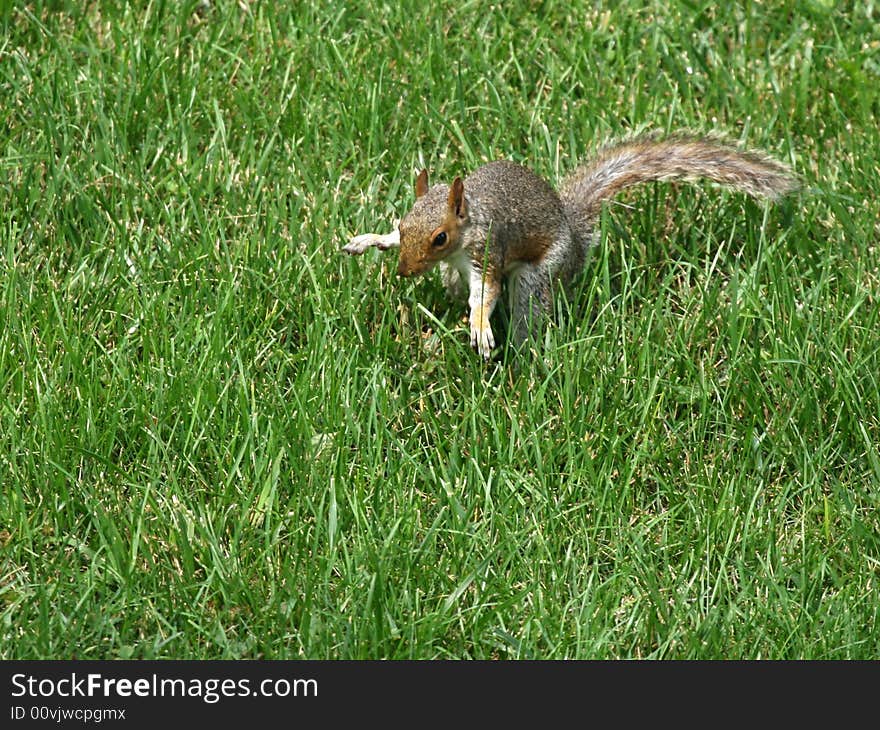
(433, 229)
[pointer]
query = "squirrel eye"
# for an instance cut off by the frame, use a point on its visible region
(439, 240)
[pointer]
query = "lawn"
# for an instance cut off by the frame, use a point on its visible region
(222, 438)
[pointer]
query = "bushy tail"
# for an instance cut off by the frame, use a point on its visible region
(681, 157)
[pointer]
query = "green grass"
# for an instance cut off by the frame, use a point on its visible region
(219, 437)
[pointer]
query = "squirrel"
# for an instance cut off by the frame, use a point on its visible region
(503, 224)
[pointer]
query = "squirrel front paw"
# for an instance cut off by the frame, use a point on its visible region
(482, 338)
(357, 245)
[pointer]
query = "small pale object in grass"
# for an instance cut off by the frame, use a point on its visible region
(357, 245)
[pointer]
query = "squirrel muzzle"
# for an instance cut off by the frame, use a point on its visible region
(406, 268)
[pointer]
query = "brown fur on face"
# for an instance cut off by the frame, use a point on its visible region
(422, 247)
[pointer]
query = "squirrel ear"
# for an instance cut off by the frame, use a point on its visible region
(457, 203)
(422, 183)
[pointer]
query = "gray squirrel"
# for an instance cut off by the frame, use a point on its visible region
(505, 225)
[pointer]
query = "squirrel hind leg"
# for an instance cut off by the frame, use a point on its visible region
(533, 286)
(530, 303)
